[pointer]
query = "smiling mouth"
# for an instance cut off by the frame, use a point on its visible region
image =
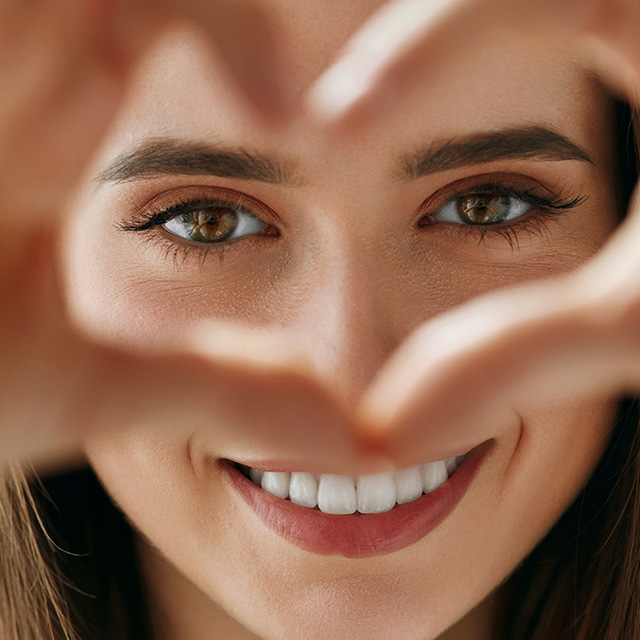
(355, 517)
(344, 495)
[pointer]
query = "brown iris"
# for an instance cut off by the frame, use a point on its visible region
(212, 224)
(482, 208)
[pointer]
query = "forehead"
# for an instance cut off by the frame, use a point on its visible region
(181, 92)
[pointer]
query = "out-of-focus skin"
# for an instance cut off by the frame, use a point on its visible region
(350, 274)
(65, 67)
(570, 338)
(323, 305)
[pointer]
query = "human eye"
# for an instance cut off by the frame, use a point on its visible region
(503, 206)
(482, 209)
(210, 222)
(186, 223)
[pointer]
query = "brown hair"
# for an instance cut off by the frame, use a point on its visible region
(69, 567)
(31, 603)
(582, 582)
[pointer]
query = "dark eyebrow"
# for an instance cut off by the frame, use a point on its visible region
(161, 156)
(530, 142)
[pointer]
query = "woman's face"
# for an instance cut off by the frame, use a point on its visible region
(343, 246)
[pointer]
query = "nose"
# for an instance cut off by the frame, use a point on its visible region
(344, 319)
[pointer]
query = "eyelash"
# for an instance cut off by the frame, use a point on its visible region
(545, 208)
(148, 222)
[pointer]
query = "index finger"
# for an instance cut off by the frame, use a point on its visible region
(508, 352)
(404, 47)
(245, 40)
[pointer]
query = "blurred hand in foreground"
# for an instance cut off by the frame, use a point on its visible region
(63, 85)
(536, 344)
(65, 68)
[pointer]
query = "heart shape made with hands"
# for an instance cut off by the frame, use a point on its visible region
(527, 347)
(546, 341)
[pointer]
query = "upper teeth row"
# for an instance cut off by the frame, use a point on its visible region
(347, 494)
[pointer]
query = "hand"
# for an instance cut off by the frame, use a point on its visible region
(571, 337)
(386, 62)
(64, 69)
(43, 352)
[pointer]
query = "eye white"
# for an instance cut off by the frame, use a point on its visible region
(247, 225)
(509, 208)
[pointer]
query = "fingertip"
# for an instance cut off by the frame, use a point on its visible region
(334, 94)
(349, 101)
(246, 40)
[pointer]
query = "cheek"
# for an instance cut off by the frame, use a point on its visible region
(130, 288)
(558, 449)
(446, 267)
(185, 510)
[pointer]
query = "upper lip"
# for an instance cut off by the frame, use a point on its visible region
(363, 467)
(359, 535)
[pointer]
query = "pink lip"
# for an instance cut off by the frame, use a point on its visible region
(359, 535)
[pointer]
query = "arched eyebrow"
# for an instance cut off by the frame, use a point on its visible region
(522, 143)
(162, 156)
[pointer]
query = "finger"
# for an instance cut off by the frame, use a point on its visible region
(231, 397)
(458, 379)
(245, 39)
(231, 386)
(67, 389)
(367, 71)
(617, 24)
(405, 47)
(241, 32)
(64, 71)
(480, 365)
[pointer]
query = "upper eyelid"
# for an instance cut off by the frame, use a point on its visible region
(205, 195)
(212, 194)
(509, 183)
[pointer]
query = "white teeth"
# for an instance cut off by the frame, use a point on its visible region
(375, 493)
(276, 482)
(336, 494)
(433, 475)
(408, 485)
(367, 494)
(304, 489)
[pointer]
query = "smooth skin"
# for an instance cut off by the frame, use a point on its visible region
(349, 277)
(592, 314)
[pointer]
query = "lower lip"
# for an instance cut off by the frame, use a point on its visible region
(359, 535)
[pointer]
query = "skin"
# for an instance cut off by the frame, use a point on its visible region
(348, 278)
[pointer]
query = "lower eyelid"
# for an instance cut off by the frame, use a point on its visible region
(180, 251)
(535, 223)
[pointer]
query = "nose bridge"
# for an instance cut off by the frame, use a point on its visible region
(345, 325)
